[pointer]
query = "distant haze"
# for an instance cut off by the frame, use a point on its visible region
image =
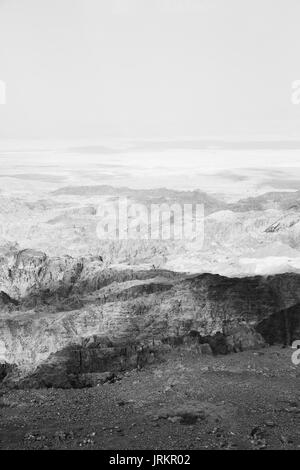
(146, 68)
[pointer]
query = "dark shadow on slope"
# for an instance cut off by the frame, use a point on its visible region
(282, 327)
(5, 299)
(5, 370)
(93, 363)
(75, 296)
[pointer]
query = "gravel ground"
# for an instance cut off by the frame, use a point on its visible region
(249, 400)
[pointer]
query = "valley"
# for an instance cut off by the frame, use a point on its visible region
(202, 328)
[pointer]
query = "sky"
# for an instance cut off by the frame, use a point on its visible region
(139, 69)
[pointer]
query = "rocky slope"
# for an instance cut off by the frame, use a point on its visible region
(254, 236)
(239, 401)
(62, 319)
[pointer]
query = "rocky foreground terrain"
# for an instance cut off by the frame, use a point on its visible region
(248, 400)
(111, 356)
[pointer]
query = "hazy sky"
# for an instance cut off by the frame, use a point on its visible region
(149, 68)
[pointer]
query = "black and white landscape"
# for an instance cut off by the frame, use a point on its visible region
(143, 342)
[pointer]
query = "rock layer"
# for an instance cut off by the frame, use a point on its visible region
(86, 318)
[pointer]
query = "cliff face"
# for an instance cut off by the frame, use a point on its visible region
(29, 272)
(86, 318)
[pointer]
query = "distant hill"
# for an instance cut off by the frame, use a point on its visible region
(146, 196)
(284, 200)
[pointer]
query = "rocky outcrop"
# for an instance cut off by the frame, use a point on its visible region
(29, 273)
(281, 327)
(30, 278)
(6, 300)
(128, 318)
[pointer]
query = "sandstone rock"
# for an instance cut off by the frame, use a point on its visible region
(128, 319)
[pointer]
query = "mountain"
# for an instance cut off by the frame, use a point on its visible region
(281, 200)
(258, 235)
(73, 317)
(146, 196)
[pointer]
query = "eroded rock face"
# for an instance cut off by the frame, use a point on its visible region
(281, 327)
(30, 278)
(29, 272)
(127, 319)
